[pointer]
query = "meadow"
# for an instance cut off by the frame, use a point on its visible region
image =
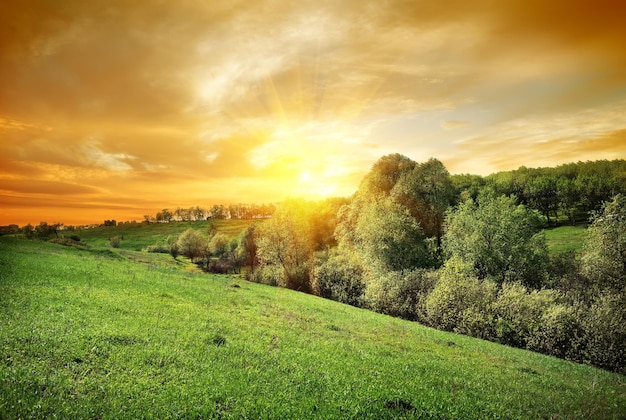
(565, 238)
(111, 333)
(137, 236)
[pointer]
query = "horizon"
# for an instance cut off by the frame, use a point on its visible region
(113, 110)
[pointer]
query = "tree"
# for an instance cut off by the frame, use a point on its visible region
(286, 242)
(427, 192)
(218, 245)
(192, 245)
(604, 251)
(166, 215)
(398, 206)
(499, 239)
(198, 213)
(390, 238)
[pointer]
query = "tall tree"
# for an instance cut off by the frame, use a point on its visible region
(604, 251)
(427, 192)
(499, 239)
(286, 241)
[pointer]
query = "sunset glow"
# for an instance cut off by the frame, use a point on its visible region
(113, 110)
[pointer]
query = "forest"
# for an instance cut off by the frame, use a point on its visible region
(460, 253)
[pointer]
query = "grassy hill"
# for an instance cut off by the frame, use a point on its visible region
(91, 333)
(137, 236)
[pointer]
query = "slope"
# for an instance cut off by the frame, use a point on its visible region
(91, 334)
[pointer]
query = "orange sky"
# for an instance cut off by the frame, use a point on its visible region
(116, 109)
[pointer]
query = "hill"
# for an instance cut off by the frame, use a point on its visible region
(89, 333)
(136, 236)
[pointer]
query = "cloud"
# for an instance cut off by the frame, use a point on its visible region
(207, 100)
(450, 124)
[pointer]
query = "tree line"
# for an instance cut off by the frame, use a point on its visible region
(217, 211)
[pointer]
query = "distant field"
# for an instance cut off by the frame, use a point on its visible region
(94, 334)
(565, 238)
(138, 236)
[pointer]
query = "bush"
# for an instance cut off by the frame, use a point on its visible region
(192, 245)
(115, 242)
(460, 302)
(265, 274)
(340, 278)
(520, 314)
(560, 333)
(401, 293)
(605, 333)
(157, 248)
(218, 246)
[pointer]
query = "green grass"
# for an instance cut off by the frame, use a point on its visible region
(138, 236)
(94, 334)
(566, 238)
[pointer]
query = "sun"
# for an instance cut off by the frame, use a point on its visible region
(315, 185)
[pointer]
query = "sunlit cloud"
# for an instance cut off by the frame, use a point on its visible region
(195, 103)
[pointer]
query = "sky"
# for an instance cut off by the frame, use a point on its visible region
(115, 109)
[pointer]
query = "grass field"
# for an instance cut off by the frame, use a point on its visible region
(138, 236)
(90, 333)
(566, 238)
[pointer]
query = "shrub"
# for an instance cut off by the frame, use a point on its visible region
(218, 245)
(520, 314)
(605, 333)
(159, 248)
(340, 278)
(460, 302)
(192, 245)
(401, 293)
(265, 274)
(560, 333)
(115, 242)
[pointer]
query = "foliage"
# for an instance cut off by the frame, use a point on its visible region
(499, 239)
(427, 192)
(604, 329)
(520, 313)
(390, 238)
(604, 252)
(115, 241)
(560, 332)
(461, 302)
(340, 277)
(218, 245)
(399, 205)
(400, 293)
(192, 244)
(286, 241)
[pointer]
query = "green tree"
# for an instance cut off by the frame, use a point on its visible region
(399, 205)
(286, 242)
(390, 238)
(426, 191)
(499, 239)
(604, 251)
(192, 245)
(218, 245)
